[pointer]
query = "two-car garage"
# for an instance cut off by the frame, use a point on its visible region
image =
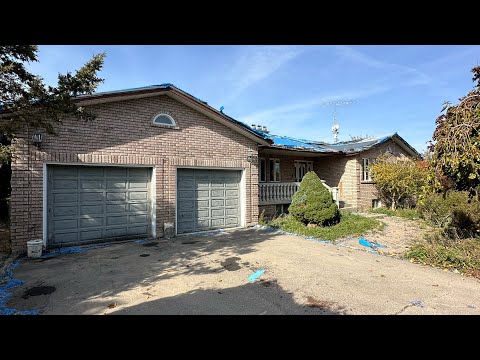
(88, 204)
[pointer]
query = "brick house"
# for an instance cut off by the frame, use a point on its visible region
(158, 160)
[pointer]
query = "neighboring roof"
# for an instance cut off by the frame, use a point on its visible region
(178, 94)
(344, 147)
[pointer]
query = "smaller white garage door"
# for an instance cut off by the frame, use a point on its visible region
(207, 199)
(88, 204)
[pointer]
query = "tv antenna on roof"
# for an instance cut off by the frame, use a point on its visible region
(335, 125)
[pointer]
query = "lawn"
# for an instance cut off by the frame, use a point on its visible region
(410, 214)
(350, 224)
(462, 255)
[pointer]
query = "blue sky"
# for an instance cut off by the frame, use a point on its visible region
(395, 88)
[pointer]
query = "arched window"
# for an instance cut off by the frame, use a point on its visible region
(164, 120)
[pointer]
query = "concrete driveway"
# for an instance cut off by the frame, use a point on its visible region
(207, 274)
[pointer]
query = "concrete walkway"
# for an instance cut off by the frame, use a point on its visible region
(207, 274)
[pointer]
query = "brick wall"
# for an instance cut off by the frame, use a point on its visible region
(342, 172)
(367, 191)
(123, 133)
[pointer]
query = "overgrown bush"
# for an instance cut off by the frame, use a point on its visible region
(399, 181)
(454, 212)
(313, 203)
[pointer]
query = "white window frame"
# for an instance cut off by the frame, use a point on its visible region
(365, 169)
(308, 167)
(260, 170)
(275, 161)
(172, 125)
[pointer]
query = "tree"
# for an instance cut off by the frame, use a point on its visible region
(398, 179)
(313, 203)
(456, 140)
(26, 101)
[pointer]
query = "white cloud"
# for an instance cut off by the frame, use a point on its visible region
(409, 76)
(257, 63)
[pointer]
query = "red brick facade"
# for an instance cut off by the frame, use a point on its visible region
(123, 134)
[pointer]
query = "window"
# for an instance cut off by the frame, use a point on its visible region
(365, 171)
(281, 209)
(376, 203)
(263, 170)
(274, 165)
(301, 168)
(164, 120)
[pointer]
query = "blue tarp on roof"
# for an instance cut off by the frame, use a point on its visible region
(319, 146)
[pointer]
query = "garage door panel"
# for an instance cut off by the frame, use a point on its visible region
(91, 222)
(218, 202)
(91, 209)
(92, 196)
(186, 194)
(231, 193)
(232, 221)
(60, 198)
(218, 212)
(116, 232)
(117, 220)
(137, 230)
(185, 204)
(185, 183)
(138, 207)
(202, 204)
(62, 172)
(112, 172)
(231, 212)
(65, 238)
(216, 193)
(88, 204)
(90, 235)
(201, 214)
(64, 224)
(59, 184)
(139, 218)
(138, 195)
(203, 194)
(138, 184)
(91, 184)
(231, 202)
(218, 222)
(117, 208)
(116, 184)
(216, 196)
(185, 215)
(142, 173)
(65, 210)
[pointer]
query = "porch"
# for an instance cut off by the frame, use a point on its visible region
(282, 192)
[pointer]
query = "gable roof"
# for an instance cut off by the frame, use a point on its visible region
(179, 95)
(344, 147)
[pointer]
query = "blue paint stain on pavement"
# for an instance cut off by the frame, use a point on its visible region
(255, 275)
(70, 250)
(8, 282)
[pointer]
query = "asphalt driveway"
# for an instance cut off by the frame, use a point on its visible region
(207, 274)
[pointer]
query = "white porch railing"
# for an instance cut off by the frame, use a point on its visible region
(282, 192)
(277, 193)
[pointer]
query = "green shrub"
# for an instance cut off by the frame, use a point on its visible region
(313, 203)
(399, 181)
(453, 211)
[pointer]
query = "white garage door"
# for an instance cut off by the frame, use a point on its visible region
(207, 199)
(89, 204)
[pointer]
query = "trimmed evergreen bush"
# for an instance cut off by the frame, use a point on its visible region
(313, 203)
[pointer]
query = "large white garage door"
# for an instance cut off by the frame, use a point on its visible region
(89, 204)
(207, 199)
